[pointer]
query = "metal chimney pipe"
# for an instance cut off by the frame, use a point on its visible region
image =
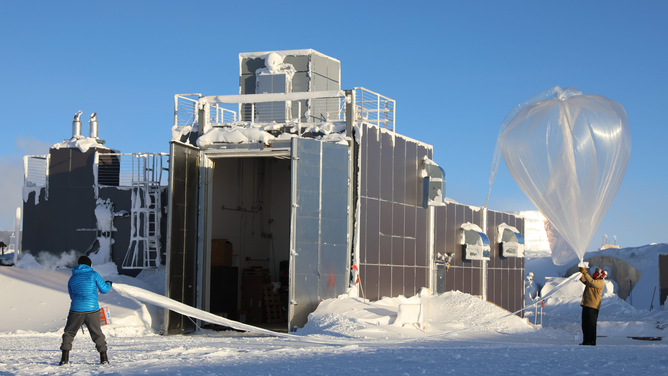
(76, 125)
(92, 125)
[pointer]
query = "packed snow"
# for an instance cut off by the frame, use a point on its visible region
(453, 333)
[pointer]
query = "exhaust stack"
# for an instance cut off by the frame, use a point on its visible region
(92, 126)
(76, 125)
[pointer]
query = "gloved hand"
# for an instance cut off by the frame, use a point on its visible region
(109, 282)
(583, 270)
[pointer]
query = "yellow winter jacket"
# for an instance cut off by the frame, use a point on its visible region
(593, 291)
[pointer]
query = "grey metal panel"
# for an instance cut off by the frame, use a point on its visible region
(397, 251)
(409, 251)
(409, 282)
(452, 235)
(335, 206)
(182, 234)
(411, 175)
(385, 281)
(373, 162)
(300, 63)
(440, 226)
(386, 218)
(398, 219)
(410, 213)
(421, 278)
(421, 239)
(334, 231)
(397, 280)
(371, 279)
(320, 232)
(249, 66)
(318, 82)
(362, 228)
(247, 84)
(333, 85)
(399, 170)
(421, 153)
(373, 231)
(334, 70)
(476, 279)
(386, 166)
(319, 65)
(300, 83)
(363, 169)
(385, 250)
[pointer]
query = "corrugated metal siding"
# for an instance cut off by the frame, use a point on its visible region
(393, 225)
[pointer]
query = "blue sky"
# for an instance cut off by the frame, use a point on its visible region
(454, 68)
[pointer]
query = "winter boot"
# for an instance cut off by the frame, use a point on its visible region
(65, 359)
(103, 358)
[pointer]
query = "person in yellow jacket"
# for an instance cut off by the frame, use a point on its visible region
(591, 304)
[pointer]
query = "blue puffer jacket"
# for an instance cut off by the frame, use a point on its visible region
(83, 286)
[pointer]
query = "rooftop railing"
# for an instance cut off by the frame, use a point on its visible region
(370, 107)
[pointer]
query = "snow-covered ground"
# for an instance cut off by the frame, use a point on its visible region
(462, 335)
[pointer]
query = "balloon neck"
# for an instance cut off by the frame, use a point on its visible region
(566, 93)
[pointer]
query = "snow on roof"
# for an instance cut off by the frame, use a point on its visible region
(262, 54)
(80, 142)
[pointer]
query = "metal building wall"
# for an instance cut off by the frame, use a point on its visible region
(51, 225)
(505, 275)
(392, 223)
(463, 275)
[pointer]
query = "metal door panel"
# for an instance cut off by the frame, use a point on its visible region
(336, 229)
(319, 241)
(307, 261)
(182, 228)
(335, 181)
(335, 206)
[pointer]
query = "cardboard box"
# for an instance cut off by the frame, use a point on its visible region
(221, 252)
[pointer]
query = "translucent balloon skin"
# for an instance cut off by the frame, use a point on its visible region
(569, 155)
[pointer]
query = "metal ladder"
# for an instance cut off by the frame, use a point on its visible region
(144, 248)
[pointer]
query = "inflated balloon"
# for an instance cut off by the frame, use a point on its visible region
(569, 155)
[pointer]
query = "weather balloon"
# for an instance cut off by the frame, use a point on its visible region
(569, 154)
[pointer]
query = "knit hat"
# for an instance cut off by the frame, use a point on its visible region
(599, 274)
(84, 260)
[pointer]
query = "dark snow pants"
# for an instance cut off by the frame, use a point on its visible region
(92, 321)
(589, 320)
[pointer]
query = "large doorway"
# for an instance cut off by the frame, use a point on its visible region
(250, 239)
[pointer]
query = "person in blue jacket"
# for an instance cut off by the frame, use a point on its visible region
(83, 287)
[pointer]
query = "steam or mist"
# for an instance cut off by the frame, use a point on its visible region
(46, 260)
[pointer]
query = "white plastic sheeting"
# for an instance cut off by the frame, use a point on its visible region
(569, 155)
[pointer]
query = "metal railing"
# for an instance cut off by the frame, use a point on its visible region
(186, 111)
(35, 170)
(124, 169)
(375, 108)
(370, 107)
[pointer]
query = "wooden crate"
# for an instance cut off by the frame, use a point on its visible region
(272, 304)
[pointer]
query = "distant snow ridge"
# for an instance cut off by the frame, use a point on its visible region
(535, 236)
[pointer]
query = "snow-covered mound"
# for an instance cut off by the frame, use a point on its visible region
(35, 299)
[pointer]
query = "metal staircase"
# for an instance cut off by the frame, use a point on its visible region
(144, 248)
